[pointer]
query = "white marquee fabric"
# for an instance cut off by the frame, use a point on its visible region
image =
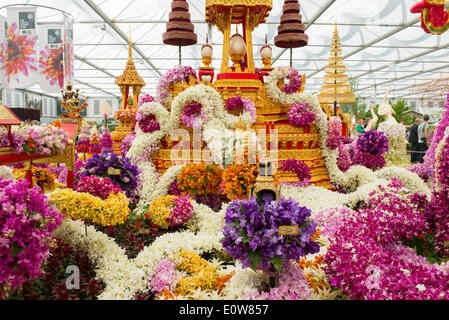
(381, 40)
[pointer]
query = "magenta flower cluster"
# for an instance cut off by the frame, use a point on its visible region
(292, 285)
(177, 74)
(234, 103)
(191, 112)
(40, 139)
(27, 222)
(429, 158)
(300, 115)
(370, 148)
(126, 144)
(439, 204)
(145, 98)
(252, 234)
(97, 186)
(367, 259)
(294, 83)
(106, 142)
(301, 170)
(334, 133)
(181, 212)
(147, 122)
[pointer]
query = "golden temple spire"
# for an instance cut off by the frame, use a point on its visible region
(130, 48)
(336, 87)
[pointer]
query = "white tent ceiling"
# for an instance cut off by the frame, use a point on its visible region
(382, 42)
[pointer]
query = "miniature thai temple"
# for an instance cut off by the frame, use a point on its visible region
(238, 77)
(131, 84)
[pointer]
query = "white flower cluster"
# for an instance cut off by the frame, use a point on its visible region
(6, 173)
(121, 276)
(396, 134)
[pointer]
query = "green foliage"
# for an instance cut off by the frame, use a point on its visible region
(278, 264)
(400, 107)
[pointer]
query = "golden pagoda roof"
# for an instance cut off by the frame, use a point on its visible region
(214, 8)
(130, 75)
(336, 86)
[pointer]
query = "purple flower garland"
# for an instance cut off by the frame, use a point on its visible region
(191, 114)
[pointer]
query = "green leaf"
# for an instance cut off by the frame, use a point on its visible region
(255, 259)
(278, 264)
(15, 249)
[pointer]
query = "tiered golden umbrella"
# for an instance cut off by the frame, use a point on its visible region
(336, 88)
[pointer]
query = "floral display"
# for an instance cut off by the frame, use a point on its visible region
(28, 221)
(370, 148)
(177, 74)
(18, 54)
(334, 135)
(367, 258)
(51, 64)
(397, 151)
(166, 212)
(145, 98)
(299, 115)
(106, 142)
(252, 233)
(301, 170)
(96, 186)
(52, 284)
(95, 144)
(429, 158)
(29, 139)
(84, 206)
(42, 177)
(126, 115)
(146, 121)
(238, 179)
(191, 113)
(126, 144)
(127, 179)
(295, 81)
(238, 103)
(292, 285)
(200, 179)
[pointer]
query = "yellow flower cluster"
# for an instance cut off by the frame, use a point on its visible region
(84, 206)
(203, 275)
(160, 210)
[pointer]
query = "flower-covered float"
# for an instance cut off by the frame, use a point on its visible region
(312, 215)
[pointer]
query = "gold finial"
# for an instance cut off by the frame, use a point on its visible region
(130, 49)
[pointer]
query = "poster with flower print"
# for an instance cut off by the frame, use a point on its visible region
(19, 54)
(68, 48)
(3, 37)
(51, 59)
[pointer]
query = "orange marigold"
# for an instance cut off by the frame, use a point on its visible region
(238, 179)
(200, 179)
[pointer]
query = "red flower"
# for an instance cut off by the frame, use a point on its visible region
(17, 54)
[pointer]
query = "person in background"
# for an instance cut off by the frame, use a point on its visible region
(359, 127)
(413, 139)
(423, 138)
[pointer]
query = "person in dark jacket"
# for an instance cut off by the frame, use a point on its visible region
(413, 139)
